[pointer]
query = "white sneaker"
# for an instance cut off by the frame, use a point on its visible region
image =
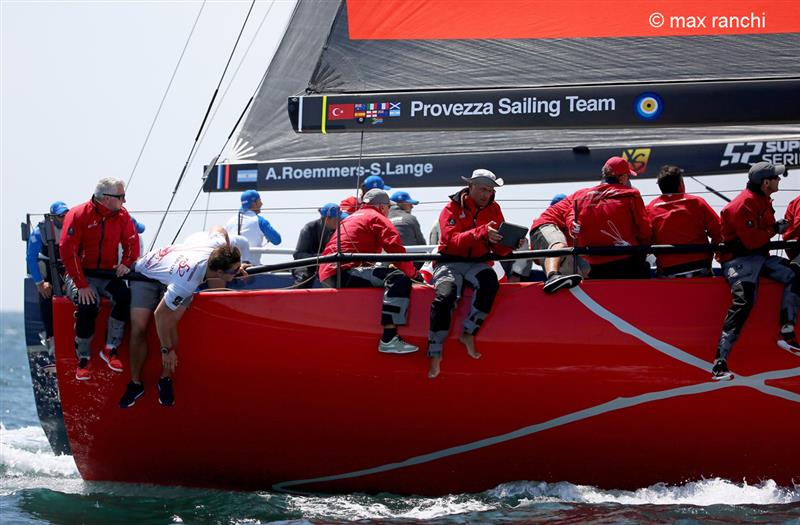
(396, 346)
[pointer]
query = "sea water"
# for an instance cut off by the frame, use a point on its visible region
(38, 487)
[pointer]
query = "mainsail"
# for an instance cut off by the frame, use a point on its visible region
(327, 51)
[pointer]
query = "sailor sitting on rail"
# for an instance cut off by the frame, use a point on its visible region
(748, 224)
(680, 218)
(792, 232)
(550, 232)
(468, 225)
(248, 223)
(178, 271)
(368, 230)
(612, 214)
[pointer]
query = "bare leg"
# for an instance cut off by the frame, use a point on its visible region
(434, 369)
(468, 340)
(552, 264)
(140, 318)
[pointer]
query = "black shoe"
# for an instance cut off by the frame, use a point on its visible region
(720, 371)
(788, 341)
(556, 282)
(165, 395)
(132, 392)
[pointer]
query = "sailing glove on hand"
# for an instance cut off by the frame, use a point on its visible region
(781, 226)
(575, 230)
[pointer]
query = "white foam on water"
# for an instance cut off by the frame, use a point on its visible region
(702, 493)
(25, 452)
(360, 507)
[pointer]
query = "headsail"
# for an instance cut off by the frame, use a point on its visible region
(318, 56)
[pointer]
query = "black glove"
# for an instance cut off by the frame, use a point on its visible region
(781, 226)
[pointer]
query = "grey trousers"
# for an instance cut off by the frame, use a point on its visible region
(742, 274)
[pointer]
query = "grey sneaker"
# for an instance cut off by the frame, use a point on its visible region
(396, 346)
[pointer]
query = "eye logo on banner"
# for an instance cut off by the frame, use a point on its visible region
(648, 106)
(637, 157)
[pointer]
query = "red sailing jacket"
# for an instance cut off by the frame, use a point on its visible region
(793, 216)
(610, 215)
(748, 223)
(349, 205)
(557, 216)
(679, 218)
(366, 231)
(465, 230)
(90, 240)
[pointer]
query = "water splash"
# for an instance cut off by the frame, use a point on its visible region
(25, 452)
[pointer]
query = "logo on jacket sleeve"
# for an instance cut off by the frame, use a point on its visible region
(451, 222)
(70, 231)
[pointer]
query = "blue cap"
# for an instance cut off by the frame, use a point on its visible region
(138, 225)
(330, 210)
(403, 196)
(248, 198)
(58, 208)
(557, 198)
(374, 181)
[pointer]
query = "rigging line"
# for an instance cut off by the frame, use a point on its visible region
(164, 98)
(202, 125)
(205, 215)
(209, 169)
(709, 188)
(233, 77)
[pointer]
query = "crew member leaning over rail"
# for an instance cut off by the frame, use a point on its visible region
(468, 225)
(368, 230)
(680, 218)
(612, 214)
(90, 240)
(792, 232)
(177, 272)
(748, 224)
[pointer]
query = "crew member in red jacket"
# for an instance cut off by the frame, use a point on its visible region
(368, 230)
(468, 224)
(678, 218)
(612, 214)
(90, 240)
(352, 203)
(792, 232)
(550, 232)
(748, 224)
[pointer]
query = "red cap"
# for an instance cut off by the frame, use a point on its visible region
(619, 166)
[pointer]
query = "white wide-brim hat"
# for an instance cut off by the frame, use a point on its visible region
(485, 178)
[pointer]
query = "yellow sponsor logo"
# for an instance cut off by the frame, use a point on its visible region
(637, 157)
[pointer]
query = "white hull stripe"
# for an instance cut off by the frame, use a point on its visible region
(756, 382)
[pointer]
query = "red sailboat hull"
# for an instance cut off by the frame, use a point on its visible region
(608, 385)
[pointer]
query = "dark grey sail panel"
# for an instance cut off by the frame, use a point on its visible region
(317, 56)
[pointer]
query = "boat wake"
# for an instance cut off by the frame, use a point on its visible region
(30, 470)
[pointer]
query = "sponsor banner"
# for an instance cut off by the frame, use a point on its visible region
(602, 106)
(516, 167)
(530, 19)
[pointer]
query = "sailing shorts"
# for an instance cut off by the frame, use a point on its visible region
(146, 294)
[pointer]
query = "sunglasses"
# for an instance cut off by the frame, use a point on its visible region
(232, 271)
(121, 196)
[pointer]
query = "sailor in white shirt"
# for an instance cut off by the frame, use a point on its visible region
(178, 271)
(248, 223)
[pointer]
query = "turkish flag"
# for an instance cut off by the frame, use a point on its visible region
(340, 111)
